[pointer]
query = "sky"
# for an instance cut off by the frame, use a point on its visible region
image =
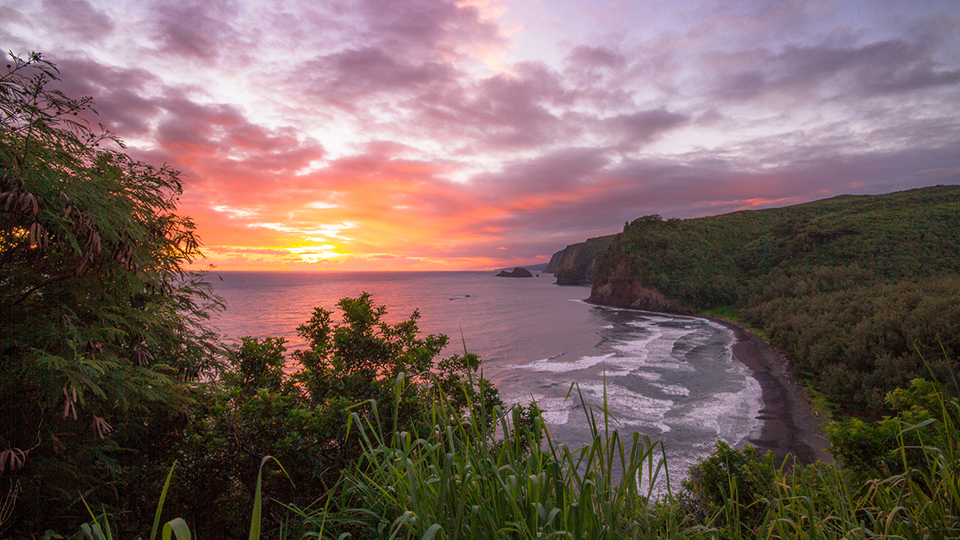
(480, 134)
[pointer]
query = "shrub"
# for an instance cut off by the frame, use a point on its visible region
(301, 415)
(732, 486)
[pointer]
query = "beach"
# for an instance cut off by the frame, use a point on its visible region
(789, 426)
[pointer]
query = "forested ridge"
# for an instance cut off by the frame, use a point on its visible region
(861, 292)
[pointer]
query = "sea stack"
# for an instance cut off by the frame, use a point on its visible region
(517, 272)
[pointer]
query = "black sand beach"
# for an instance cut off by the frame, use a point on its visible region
(790, 425)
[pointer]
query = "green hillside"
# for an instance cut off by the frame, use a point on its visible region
(860, 291)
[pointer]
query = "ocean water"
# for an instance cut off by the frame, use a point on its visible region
(668, 377)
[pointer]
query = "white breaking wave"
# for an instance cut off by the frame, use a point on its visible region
(553, 366)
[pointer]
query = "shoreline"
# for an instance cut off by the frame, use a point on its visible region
(789, 425)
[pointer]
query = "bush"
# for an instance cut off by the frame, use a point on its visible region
(731, 486)
(894, 444)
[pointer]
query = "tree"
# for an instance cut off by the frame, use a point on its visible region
(360, 358)
(927, 416)
(388, 373)
(101, 329)
(362, 362)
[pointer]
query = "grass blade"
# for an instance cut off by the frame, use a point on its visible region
(163, 497)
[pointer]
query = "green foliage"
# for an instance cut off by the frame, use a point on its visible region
(856, 290)
(457, 479)
(358, 358)
(100, 528)
(460, 480)
(259, 408)
(732, 487)
(453, 482)
(887, 447)
(101, 332)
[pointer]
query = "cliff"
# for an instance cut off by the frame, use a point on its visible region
(576, 263)
(551, 267)
(623, 288)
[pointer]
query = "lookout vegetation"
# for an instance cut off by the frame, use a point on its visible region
(123, 417)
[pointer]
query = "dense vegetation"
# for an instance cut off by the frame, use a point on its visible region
(454, 478)
(119, 410)
(359, 366)
(101, 334)
(861, 292)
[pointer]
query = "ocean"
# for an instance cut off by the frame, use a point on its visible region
(669, 377)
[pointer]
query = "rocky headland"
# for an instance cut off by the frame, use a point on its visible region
(517, 273)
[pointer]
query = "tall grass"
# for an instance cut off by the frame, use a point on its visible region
(461, 479)
(923, 502)
(100, 528)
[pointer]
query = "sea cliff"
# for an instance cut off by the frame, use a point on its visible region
(576, 263)
(623, 288)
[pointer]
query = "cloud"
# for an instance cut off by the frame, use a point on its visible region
(374, 133)
(122, 96)
(430, 26)
(193, 29)
(345, 77)
(644, 126)
(502, 111)
(79, 19)
(874, 69)
(585, 57)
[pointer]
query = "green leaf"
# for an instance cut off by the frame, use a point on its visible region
(178, 527)
(163, 497)
(432, 531)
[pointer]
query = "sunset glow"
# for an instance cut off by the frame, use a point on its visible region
(477, 134)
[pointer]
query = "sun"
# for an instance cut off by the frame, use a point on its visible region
(315, 254)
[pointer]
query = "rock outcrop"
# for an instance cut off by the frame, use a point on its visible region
(517, 272)
(622, 288)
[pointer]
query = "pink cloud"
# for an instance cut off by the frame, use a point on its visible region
(432, 132)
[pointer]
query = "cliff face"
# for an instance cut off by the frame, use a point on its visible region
(554, 262)
(576, 263)
(623, 288)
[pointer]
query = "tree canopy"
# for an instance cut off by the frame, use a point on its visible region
(101, 329)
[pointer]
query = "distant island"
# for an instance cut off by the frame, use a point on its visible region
(517, 272)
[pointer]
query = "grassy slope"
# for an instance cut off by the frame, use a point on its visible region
(856, 289)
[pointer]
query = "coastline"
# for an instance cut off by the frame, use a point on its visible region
(789, 425)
